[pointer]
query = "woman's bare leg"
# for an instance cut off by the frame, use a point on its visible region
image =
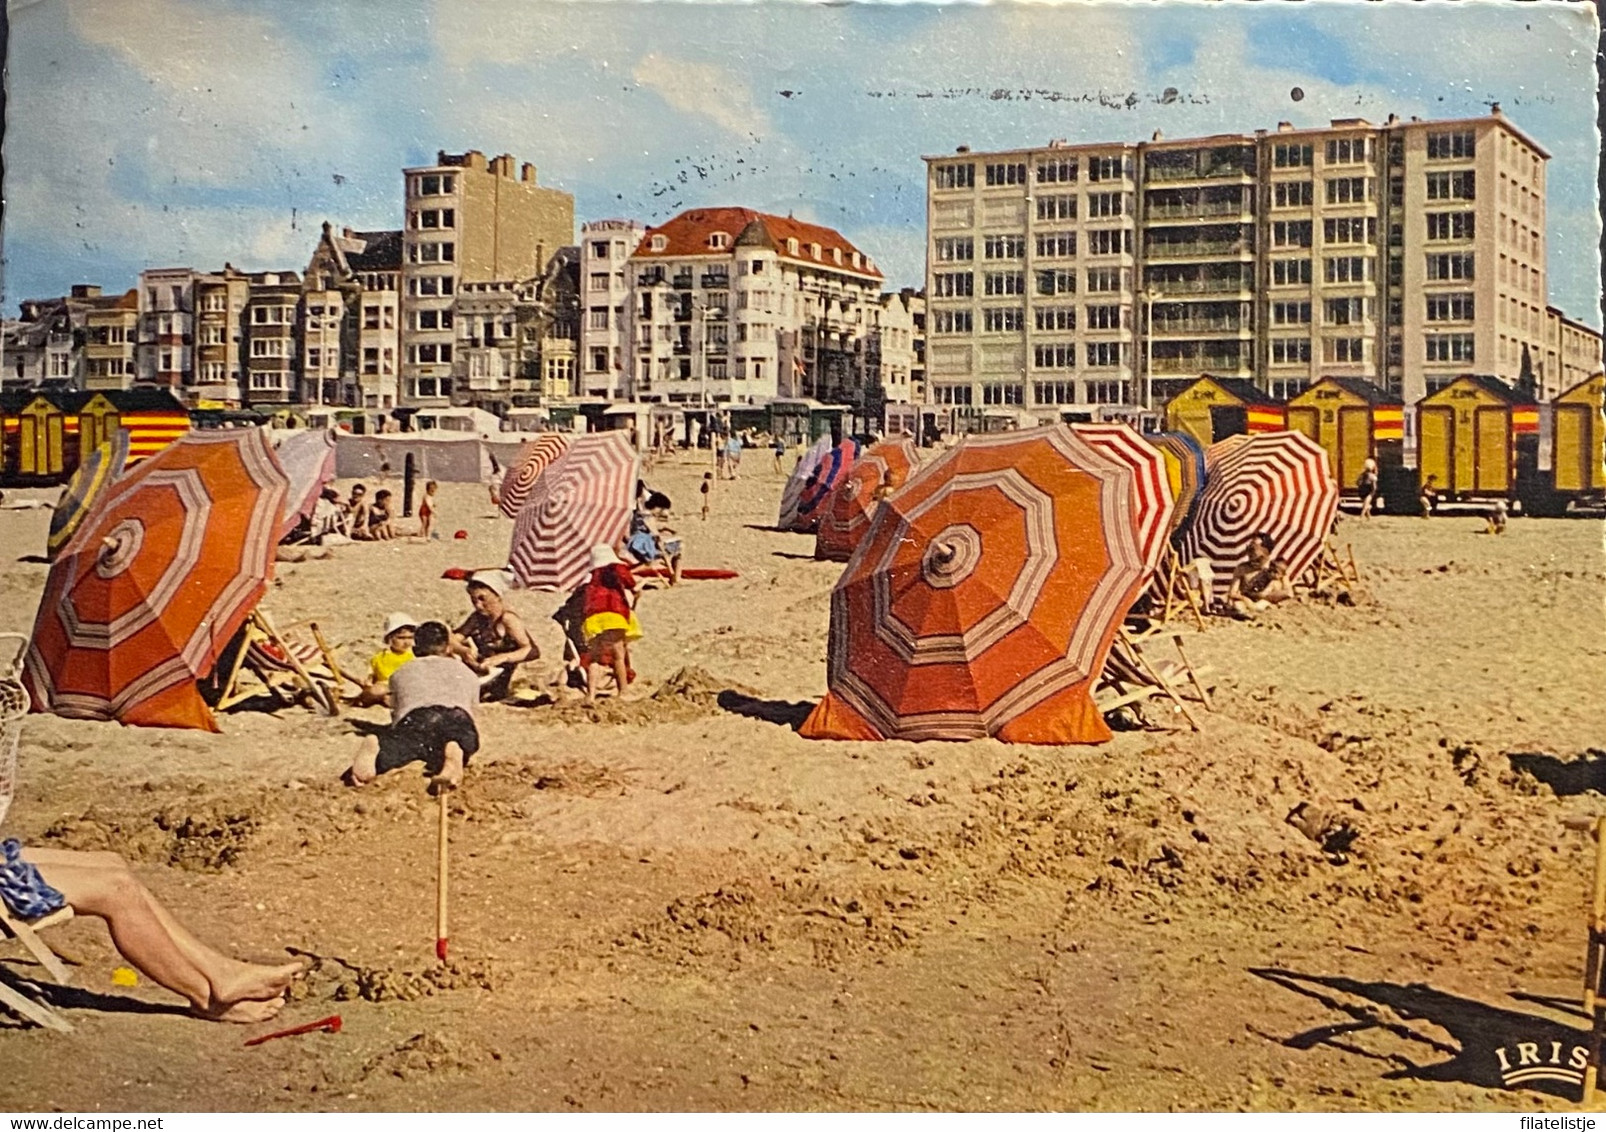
(148, 936)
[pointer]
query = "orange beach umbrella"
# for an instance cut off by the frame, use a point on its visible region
(985, 596)
(852, 505)
(159, 577)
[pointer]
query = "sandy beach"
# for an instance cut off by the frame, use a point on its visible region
(678, 903)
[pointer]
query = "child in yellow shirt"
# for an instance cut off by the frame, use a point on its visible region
(398, 651)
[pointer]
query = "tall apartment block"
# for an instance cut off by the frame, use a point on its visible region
(351, 319)
(605, 245)
(163, 353)
(469, 220)
(1073, 276)
(218, 372)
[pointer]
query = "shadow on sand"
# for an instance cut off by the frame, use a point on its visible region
(1565, 777)
(1477, 1031)
(786, 713)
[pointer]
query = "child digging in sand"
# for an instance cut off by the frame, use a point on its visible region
(432, 702)
(219, 989)
(398, 650)
(610, 620)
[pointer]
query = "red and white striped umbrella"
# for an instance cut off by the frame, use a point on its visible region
(792, 493)
(1152, 502)
(1277, 483)
(583, 499)
(532, 460)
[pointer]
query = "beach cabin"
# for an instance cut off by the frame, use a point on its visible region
(1354, 421)
(1578, 440)
(1214, 408)
(44, 434)
(1468, 435)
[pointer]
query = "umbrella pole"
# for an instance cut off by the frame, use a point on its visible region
(441, 872)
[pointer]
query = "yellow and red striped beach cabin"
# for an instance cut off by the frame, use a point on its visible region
(1578, 438)
(1214, 408)
(1355, 421)
(1467, 436)
(44, 434)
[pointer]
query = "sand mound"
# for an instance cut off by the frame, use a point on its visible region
(201, 836)
(689, 694)
(427, 1055)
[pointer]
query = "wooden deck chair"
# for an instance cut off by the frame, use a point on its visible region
(289, 670)
(1178, 585)
(1327, 572)
(1129, 677)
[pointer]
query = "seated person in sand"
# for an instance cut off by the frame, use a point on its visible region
(1259, 581)
(646, 544)
(1430, 496)
(493, 640)
(328, 516)
(398, 651)
(357, 512)
(381, 518)
(432, 701)
(1497, 518)
(219, 989)
(610, 619)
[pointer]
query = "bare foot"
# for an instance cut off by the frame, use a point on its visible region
(451, 774)
(255, 982)
(243, 1013)
(365, 767)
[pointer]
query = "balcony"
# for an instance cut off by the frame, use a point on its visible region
(1196, 326)
(682, 348)
(1197, 249)
(1208, 363)
(682, 282)
(1169, 173)
(650, 278)
(716, 280)
(1235, 210)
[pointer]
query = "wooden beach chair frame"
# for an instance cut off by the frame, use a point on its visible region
(1129, 677)
(288, 682)
(1176, 593)
(16, 992)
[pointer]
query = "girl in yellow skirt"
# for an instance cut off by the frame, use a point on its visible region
(610, 619)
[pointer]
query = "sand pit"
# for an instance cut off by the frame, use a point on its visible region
(1345, 891)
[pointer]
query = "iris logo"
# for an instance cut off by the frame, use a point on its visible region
(1525, 1062)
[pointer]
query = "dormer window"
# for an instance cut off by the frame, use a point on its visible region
(855, 259)
(836, 256)
(717, 240)
(659, 243)
(791, 245)
(814, 250)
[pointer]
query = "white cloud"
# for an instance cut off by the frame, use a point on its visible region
(703, 89)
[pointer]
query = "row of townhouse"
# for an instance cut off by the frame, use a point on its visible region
(1404, 253)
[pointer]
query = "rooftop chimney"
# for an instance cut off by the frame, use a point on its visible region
(1285, 127)
(1494, 108)
(1156, 136)
(85, 291)
(527, 173)
(962, 149)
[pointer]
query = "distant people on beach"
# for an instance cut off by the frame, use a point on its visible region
(1366, 486)
(426, 512)
(381, 518)
(357, 511)
(1496, 519)
(706, 490)
(1260, 580)
(1429, 498)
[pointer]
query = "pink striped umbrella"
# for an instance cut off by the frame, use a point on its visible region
(1278, 483)
(583, 499)
(532, 460)
(308, 459)
(1152, 503)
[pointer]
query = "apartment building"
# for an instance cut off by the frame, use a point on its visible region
(351, 319)
(218, 372)
(1031, 277)
(605, 246)
(164, 352)
(468, 220)
(1406, 253)
(1571, 354)
(270, 325)
(893, 349)
(111, 328)
(732, 305)
(70, 340)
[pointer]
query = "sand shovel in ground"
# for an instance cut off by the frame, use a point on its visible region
(442, 871)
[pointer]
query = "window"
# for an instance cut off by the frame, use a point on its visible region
(599, 249)
(211, 335)
(1056, 245)
(1056, 282)
(1004, 247)
(1003, 393)
(1004, 283)
(1106, 392)
(1396, 191)
(1450, 265)
(954, 249)
(1345, 312)
(951, 394)
(1109, 241)
(1349, 230)
(1287, 156)
(1056, 355)
(1059, 207)
(758, 266)
(1104, 317)
(1007, 173)
(1056, 318)
(598, 281)
(597, 318)
(1107, 169)
(1290, 314)
(314, 357)
(1106, 204)
(1346, 268)
(1054, 392)
(429, 353)
(945, 322)
(1291, 194)
(1452, 186)
(1290, 272)
(719, 240)
(370, 360)
(962, 176)
(1449, 348)
(1105, 354)
(1103, 279)
(1348, 190)
(1458, 145)
(1003, 318)
(435, 184)
(1450, 225)
(260, 348)
(434, 320)
(1348, 351)
(1289, 351)
(437, 218)
(1456, 306)
(1057, 171)
(1290, 233)
(953, 284)
(1347, 151)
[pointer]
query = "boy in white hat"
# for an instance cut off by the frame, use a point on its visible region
(398, 651)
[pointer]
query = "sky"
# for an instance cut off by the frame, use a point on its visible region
(198, 132)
